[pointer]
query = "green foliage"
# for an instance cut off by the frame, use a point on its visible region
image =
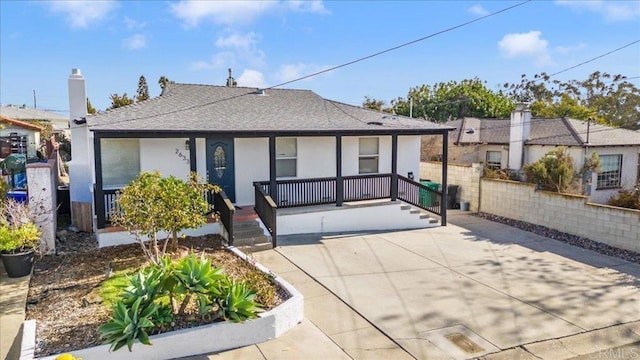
(591, 163)
(143, 89)
(237, 302)
(90, 108)
(373, 104)
(629, 199)
(119, 101)
(18, 232)
(4, 189)
(500, 174)
(146, 302)
(127, 324)
(261, 284)
(151, 204)
(443, 101)
(163, 81)
(553, 172)
(607, 99)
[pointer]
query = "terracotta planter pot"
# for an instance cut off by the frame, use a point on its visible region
(19, 264)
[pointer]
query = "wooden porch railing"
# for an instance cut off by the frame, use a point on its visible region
(265, 208)
(419, 195)
(107, 207)
(225, 210)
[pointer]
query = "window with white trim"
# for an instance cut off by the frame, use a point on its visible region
(120, 162)
(494, 159)
(610, 174)
(286, 157)
(368, 155)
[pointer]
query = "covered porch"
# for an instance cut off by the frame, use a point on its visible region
(272, 195)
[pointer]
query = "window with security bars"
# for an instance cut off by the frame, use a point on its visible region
(368, 155)
(494, 160)
(610, 174)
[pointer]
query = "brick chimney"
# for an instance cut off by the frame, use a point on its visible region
(519, 133)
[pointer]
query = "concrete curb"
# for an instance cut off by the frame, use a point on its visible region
(199, 340)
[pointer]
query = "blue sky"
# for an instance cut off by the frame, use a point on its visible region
(269, 42)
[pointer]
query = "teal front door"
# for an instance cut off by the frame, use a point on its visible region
(220, 165)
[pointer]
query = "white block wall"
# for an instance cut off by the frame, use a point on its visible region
(572, 214)
(467, 177)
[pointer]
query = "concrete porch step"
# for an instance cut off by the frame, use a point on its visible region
(248, 236)
(248, 249)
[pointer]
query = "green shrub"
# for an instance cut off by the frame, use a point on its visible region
(554, 172)
(151, 204)
(148, 302)
(626, 198)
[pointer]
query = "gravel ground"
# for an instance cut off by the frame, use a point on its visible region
(566, 238)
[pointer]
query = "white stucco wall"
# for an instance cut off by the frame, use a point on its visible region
(408, 156)
(537, 152)
(251, 157)
(316, 157)
(168, 156)
(629, 173)
(201, 157)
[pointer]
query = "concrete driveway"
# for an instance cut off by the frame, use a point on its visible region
(471, 288)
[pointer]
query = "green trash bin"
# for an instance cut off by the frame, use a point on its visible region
(427, 198)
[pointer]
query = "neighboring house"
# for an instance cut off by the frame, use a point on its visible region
(512, 143)
(60, 123)
(18, 137)
(266, 148)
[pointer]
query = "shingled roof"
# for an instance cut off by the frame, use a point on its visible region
(558, 131)
(208, 108)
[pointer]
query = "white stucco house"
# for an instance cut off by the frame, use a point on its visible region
(520, 140)
(270, 150)
(59, 122)
(18, 137)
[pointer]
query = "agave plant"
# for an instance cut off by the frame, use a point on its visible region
(237, 302)
(127, 324)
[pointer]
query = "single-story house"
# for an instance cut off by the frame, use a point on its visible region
(59, 122)
(520, 140)
(18, 137)
(268, 149)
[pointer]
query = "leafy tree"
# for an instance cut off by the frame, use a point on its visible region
(373, 104)
(443, 101)
(151, 204)
(90, 108)
(607, 99)
(119, 101)
(163, 81)
(143, 89)
(553, 172)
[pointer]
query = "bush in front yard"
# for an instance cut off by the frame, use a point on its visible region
(626, 198)
(151, 204)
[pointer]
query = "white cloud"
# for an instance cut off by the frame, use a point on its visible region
(235, 49)
(220, 12)
(135, 42)
(238, 41)
(80, 14)
(289, 72)
(133, 24)
(478, 10)
(252, 78)
(611, 10)
(564, 50)
(310, 6)
(529, 44)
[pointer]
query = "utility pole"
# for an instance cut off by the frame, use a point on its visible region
(34, 100)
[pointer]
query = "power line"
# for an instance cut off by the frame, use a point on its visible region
(401, 45)
(595, 58)
(338, 66)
